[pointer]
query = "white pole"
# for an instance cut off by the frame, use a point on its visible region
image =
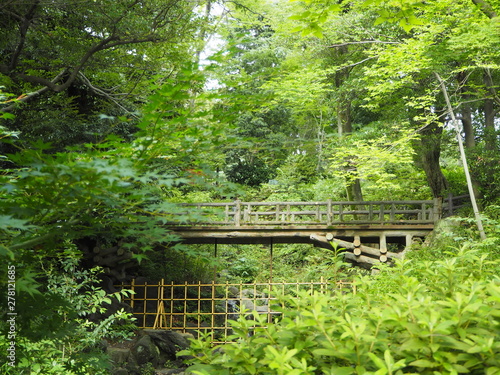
(464, 159)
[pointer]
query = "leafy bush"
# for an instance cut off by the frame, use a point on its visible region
(429, 317)
(56, 321)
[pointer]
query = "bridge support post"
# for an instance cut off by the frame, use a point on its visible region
(383, 244)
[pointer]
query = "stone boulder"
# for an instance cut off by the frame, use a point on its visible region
(156, 349)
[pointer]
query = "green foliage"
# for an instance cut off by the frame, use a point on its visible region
(384, 164)
(73, 62)
(403, 13)
(60, 322)
(147, 369)
(179, 264)
(244, 270)
(486, 169)
(419, 317)
(71, 195)
(455, 176)
(112, 190)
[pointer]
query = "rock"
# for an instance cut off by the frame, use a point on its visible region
(132, 367)
(169, 342)
(118, 356)
(152, 350)
(145, 351)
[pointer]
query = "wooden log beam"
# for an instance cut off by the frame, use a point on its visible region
(347, 245)
(357, 241)
(361, 259)
(357, 251)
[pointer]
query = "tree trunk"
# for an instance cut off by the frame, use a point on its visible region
(344, 126)
(469, 134)
(354, 192)
(490, 136)
(428, 150)
(466, 112)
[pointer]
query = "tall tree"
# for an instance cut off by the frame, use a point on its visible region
(448, 37)
(69, 61)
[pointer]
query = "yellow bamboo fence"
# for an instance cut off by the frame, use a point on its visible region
(194, 308)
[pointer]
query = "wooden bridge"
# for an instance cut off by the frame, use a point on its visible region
(370, 232)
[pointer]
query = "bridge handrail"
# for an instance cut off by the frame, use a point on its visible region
(238, 213)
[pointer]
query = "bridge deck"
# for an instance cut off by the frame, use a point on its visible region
(369, 231)
(199, 234)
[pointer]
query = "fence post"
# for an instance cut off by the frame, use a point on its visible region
(450, 204)
(237, 212)
(132, 285)
(329, 213)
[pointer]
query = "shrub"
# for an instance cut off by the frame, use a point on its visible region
(54, 330)
(428, 317)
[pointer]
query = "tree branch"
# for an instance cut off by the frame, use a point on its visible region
(358, 63)
(238, 4)
(103, 93)
(31, 95)
(485, 8)
(23, 30)
(107, 43)
(490, 87)
(362, 42)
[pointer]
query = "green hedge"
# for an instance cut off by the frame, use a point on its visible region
(426, 317)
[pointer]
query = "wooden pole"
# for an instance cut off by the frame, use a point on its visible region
(215, 256)
(479, 223)
(271, 261)
(237, 213)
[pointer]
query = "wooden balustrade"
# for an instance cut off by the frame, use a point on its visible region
(240, 213)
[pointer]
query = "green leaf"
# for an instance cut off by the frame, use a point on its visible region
(7, 115)
(325, 352)
(423, 363)
(8, 222)
(6, 252)
(318, 34)
(334, 8)
(341, 370)
(378, 362)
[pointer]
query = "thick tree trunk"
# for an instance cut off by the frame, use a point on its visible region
(354, 192)
(344, 126)
(470, 141)
(353, 187)
(428, 150)
(465, 110)
(490, 136)
(469, 133)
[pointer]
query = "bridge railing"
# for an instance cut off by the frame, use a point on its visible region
(328, 212)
